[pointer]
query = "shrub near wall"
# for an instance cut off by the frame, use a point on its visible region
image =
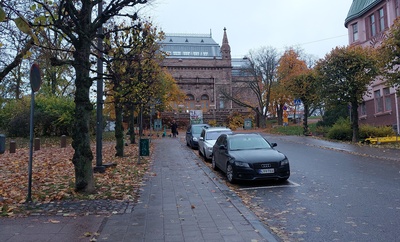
(341, 130)
(367, 131)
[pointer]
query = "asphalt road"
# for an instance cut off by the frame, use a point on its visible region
(337, 193)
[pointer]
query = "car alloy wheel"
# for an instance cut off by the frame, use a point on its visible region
(230, 173)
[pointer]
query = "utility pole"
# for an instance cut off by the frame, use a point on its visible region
(99, 128)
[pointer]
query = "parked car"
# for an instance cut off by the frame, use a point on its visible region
(207, 140)
(249, 157)
(193, 133)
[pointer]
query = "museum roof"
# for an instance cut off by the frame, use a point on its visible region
(359, 8)
(190, 46)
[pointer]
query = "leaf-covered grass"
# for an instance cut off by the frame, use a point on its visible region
(292, 129)
(53, 176)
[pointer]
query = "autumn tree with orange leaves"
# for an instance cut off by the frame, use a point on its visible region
(299, 81)
(136, 80)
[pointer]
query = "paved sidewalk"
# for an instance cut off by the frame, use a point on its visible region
(183, 201)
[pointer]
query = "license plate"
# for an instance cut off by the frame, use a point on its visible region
(266, 171)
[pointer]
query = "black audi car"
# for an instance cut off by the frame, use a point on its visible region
(249, 157)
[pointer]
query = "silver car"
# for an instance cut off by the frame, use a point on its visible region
(207, 140)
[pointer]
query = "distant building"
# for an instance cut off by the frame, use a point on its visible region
(202, 69)
(367, 21)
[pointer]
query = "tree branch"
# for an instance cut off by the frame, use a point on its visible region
(17, 60)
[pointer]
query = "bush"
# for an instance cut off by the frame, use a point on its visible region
(213, 123)
(19, 125)
(321, 130)
(367, 131)
(52, 116)
(235, 121)
(341, 130)
(14, 117)
(333, 114)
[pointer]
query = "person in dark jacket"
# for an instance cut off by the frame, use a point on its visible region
(174, 128)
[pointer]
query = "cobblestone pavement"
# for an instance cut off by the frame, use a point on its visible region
(86, 207)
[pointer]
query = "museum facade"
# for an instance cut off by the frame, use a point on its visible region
(204, 70)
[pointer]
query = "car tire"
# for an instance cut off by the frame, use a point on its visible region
(283, 179)
(230, 173)
(200, 154)
(213, 164)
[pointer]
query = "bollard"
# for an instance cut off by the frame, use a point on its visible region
(13, 146)
(63, 141)
(37, 144)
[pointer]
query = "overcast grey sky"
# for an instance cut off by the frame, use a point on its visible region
(317, 26)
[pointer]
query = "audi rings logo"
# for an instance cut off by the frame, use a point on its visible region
(265, 165)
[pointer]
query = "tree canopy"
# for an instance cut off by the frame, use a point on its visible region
(345, 74)
(389, 53)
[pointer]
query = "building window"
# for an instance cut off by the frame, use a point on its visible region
(221, 104)
(204, 102)
(363, 109)
(372, 25)
(381, 20)
(355, 32)
(388, 100)
(190, 102)
(397, 8)
(378, 101)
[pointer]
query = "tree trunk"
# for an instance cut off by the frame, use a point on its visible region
(132, 125)
(119, 131)
(305, 120)
(263, 121)
(83, 155)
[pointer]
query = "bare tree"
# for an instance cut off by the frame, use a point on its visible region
(260, 73)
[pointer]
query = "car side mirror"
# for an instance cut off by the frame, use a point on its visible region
(201, 138)
(274, 144)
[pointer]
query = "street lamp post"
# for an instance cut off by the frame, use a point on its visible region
(99, 127)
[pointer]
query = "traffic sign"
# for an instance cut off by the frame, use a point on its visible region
(35, 78)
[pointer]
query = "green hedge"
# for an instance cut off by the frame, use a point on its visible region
(341, 130)
(52, 116)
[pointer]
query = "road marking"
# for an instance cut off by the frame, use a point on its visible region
(292, 184)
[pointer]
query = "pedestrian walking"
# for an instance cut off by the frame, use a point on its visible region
(174, 128)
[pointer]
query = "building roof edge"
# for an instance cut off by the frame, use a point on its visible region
(359, 8)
